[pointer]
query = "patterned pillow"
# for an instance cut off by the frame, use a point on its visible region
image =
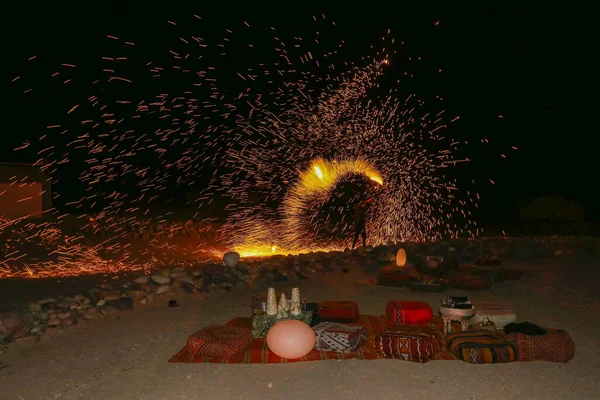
(554, 346)
(217, 341)
(332, 336)
(417, 343)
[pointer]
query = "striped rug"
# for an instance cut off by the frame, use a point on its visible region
(259, 353)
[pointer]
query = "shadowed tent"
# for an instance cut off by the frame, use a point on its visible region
(25, 191)
(552, 208)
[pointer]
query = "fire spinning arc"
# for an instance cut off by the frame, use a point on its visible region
(316, 183)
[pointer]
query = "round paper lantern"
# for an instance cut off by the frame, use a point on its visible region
(231, 259)
(401, 258)
(291, 339)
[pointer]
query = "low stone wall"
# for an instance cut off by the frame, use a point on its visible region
(48, 317)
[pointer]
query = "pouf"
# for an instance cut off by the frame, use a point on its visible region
(416, 343)
(481, 347)
(338, 311)
(408, 312)
(498, 313)
(554, 346)
(218, 341)
(332, 336)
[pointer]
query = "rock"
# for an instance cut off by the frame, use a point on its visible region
(231, 259)
(164, 272)
(186, 279)
(163, 289)
(213, 270)
(140, 280)
(21, 330)
(122, 303)
(12, 320)
(37, 329)
(80, 298)
(101, 303)
(161, 279)
(34, 306)
(177, 274)
(149, 299)
(279, 277)
(66, 322)
(106, 286)
(42, 316)
(188, 288)
(65, 305)
(97, 294)
(64, 315)
(389, 256)
(136, 295)
(46, 301)
(199, 283)
(53, 322)
(242, 266)
(111, 297)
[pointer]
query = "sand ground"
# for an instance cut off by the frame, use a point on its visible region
(125, 356)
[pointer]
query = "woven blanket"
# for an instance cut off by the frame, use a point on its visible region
(259, 353)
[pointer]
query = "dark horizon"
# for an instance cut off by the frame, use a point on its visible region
(513, 76)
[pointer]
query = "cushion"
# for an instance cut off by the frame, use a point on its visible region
(555, 346)
(332, 336)
(499, 314)
(416, 343)
(219, 341)
(338, 311)
(408, 312)
(481, 347)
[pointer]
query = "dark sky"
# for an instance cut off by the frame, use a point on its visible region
(531, 66)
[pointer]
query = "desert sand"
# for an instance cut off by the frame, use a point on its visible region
(125, 356)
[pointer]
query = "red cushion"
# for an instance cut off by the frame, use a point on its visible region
(219, 341)
(409, 312)
(338, 311)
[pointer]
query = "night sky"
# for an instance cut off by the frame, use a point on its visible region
(517, 77)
